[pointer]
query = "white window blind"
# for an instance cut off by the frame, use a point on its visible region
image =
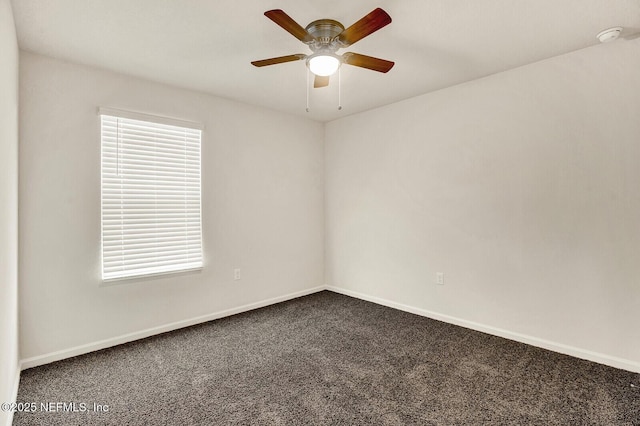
(151, 220)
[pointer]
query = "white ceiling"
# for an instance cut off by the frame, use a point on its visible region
(208, 45)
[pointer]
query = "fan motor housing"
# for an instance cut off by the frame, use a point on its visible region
(324, 30)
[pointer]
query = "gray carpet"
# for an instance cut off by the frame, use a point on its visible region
(330, 359)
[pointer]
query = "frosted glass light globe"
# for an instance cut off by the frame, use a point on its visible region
(324, 65)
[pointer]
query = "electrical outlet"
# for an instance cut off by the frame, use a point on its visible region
(440, 278)
(236, 274)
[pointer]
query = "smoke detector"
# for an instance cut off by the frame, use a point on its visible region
(609, 34)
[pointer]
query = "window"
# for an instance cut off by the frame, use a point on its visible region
(151, 222)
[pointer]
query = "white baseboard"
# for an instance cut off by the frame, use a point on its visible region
(14, 395)
(518, 337)
(611, 361)
(102, 344)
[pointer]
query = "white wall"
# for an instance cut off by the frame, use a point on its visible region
(520, 187)
(9, 367)
(523, 188)
(262, 201)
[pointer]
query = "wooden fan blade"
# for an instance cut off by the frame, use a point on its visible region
(365, 26)
(369, 62)
(285, 21)
(279, 60)
(320, 81)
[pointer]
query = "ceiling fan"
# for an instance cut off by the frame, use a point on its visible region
(325, 37)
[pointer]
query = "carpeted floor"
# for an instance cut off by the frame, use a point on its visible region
(329, 359)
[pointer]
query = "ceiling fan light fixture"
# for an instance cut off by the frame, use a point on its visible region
(323, 64)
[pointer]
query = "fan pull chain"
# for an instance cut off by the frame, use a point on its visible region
(339, 90)
(307, 89)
